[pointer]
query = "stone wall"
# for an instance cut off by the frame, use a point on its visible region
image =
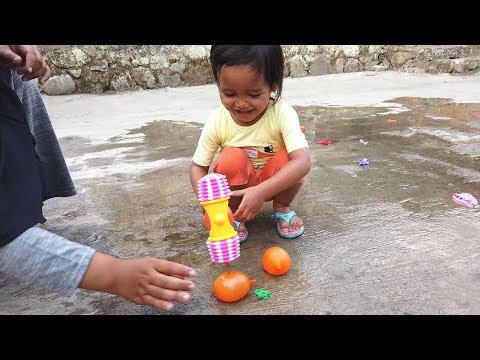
(101, 68)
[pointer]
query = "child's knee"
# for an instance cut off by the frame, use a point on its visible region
(233, 163)
(279, 160)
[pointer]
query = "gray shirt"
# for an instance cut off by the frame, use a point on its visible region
(37, 256)
(41, 258)
(58, 182)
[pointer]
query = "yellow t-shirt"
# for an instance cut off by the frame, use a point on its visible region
(278, 128)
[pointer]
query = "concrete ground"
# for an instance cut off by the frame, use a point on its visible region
(386, 239)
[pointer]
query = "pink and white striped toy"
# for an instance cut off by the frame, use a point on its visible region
(212, 187)
(224, 251)
(213, 190)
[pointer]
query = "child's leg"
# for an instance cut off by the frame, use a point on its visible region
(282, 201)
(240, 173)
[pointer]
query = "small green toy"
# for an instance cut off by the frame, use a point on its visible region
(263, 294)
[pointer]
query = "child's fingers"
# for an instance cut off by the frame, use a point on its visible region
(240, 214)
(237, 193)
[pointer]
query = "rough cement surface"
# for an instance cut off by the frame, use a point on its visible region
(386, 239)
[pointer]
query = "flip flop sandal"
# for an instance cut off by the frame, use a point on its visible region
(287, 217)
(237, 226)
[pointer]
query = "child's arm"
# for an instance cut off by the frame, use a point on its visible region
(298, 166)
(145, 281)
(196, 173)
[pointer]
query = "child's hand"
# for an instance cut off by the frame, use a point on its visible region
(154, 282)
(251, 204)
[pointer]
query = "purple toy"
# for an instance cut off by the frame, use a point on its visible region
(364, 162)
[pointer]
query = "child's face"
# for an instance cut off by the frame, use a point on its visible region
(244, 93)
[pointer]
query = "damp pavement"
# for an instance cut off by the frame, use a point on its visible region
(382, 239)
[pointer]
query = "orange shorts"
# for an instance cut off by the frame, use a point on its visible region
(236, 166)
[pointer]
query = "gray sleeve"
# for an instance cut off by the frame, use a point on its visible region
(58, 182)
(47, 260)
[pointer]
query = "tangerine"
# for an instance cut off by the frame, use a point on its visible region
(276, 261)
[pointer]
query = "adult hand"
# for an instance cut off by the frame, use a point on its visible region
(154, 282)
(8, 58)
(145, 281)
(27, 59)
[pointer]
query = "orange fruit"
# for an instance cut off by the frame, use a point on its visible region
(207, 219)
(276, 261)
(232, 286)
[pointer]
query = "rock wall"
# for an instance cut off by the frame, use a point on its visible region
(101, 68)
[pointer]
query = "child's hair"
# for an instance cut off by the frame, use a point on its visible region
(264, 59)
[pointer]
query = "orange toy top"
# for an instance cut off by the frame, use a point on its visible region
(276, 260)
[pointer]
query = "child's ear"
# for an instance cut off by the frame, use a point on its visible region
(273, 93)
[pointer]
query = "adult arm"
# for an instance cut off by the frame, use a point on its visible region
(41, 258)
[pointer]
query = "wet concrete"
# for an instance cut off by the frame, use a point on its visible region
(386, 239)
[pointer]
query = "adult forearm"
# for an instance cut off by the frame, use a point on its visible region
(47, 260)
(101, 274)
